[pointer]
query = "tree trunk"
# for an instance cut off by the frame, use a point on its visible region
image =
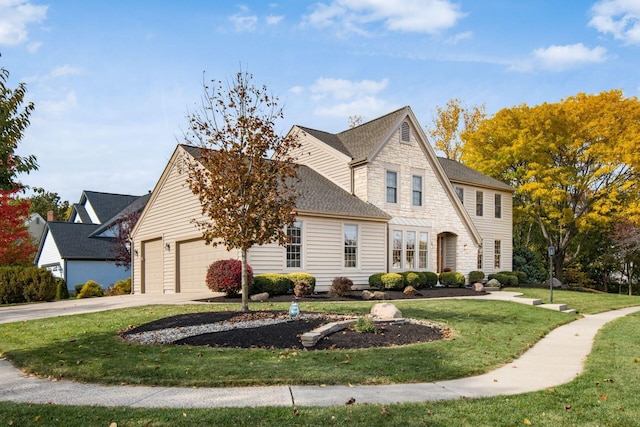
(245, 282)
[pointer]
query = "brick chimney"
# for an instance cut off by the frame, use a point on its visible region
(51, 216)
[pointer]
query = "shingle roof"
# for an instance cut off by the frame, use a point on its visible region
(360, 141)
(82, 213)
(318, 194)
(73, 242)
(457, 172)
(107, 205)
(136, 206)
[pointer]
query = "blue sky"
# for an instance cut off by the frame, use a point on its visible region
(113, 80)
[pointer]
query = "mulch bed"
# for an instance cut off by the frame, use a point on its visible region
(357, 296)
(286, 335)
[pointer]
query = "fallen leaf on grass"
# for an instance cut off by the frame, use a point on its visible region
(384, 411)
(568, 408)
(603, 397)
(526, 422)
(351, 401)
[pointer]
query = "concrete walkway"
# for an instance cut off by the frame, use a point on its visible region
(556, 359)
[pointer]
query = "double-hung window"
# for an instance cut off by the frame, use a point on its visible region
(392, 187)
(294, 246)
(479, 203)
(423, 250)
(350, 246)
(496, 256)
(498, 205)
(410, 251)
(416, 194)
(396, 251)
(460, 193)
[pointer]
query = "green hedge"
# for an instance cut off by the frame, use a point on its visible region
(431, 278)
(393, 281)
(26, 284)
(505, 279)
(298, 276)
(90, 289)
(452, 279)
(273, 283)
(476, 277)
(375, 280)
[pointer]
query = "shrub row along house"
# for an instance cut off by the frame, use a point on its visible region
(84, 247)
(374, 198)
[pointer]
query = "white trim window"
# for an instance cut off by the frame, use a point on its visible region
(410, 250)
(416, 191)
(294, 246)
(350, 246)
(498, 205)
(423, 251)
(497, 250)
(460, 193)
(396, 251)
(392, 186)
(479, 203)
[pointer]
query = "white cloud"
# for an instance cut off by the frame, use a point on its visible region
(467, 35)
(414, 16)
(621, 18)
(344, 89)
(559, 58)
(343, 98)
(274, 20)
(64, 71)
(59, 107)
(244, 22)
(15, 17)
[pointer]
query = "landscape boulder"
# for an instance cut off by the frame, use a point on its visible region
(386, 311)
(478, 287)
(261, 297)
(380, 295)
(493, 283)
(409, 290)
(367, 295)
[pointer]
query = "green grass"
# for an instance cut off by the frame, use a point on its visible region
(87, 348)
(584, 302)
(604, 395)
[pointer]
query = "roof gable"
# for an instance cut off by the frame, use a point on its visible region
(73, 242)
(459, 173)
(106, 205)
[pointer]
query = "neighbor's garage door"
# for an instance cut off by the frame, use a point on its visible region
(194, 258)
(152, 267)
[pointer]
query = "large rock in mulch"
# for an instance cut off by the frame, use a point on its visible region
(478, 287)
(556, 283)
(261, 297)
(409, 290)
(386, 311)
(380, 295)
(493, 283)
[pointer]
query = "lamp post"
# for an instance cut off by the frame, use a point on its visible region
(552, 252)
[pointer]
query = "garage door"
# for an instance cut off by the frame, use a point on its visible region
(194, 257)
(152, 267)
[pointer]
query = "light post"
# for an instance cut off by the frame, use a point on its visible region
(552, 252)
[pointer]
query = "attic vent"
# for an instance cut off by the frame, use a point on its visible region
(404, 132)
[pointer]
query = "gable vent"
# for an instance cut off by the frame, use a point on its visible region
(405, 135)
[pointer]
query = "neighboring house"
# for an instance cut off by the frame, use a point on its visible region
(373, 198)
(35, 224)
(83, 247)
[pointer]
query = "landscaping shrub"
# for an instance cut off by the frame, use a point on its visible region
(412, 279)
(225, 275)
(430, 278)
(121, 287)
(505, 279)
(393, 281)
(476, 276)
(78, 288)
(452, 279)
(521, 275)
(273, 283)
(527, 261)
(25, 284)
(365, 325)
(375, 280)
(61, 289)
(90, 289)
(302, 288)
(341, 286)
(298, 276)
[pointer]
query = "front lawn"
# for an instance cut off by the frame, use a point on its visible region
(86, 348)
(584, 302)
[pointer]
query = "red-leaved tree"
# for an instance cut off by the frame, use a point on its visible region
(16, 246)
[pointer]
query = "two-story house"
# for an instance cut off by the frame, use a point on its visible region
(374, 198)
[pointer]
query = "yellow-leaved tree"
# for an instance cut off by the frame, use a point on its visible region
(244, 176)
(574, 164)
(451, 125)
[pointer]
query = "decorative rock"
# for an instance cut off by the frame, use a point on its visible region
(556, 283)
(493, 283)
(386, 311)
(409, 290)
(380, 295)
(478, 287)
(260, 297)
(367, 295)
